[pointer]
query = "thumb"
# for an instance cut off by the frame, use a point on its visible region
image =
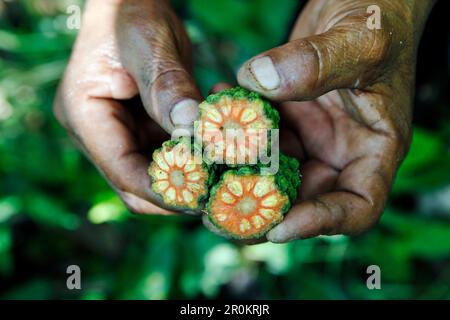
(171, 99)
(159, 68)
(343, 57)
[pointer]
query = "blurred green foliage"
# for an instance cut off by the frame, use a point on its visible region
(56, 210)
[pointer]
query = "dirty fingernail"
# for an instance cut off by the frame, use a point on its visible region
(265, 73)
(184, 113)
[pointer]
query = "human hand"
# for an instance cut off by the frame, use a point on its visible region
(347, 94)
(126, 48)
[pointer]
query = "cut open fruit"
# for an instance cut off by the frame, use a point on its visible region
(234, 126)
(179, 176)
(245, 204)
(252, 195)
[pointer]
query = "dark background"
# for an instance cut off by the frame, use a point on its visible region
(56, 210)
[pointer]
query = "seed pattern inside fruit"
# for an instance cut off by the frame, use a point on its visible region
(232, 129)
(245, 205)
(178, 176)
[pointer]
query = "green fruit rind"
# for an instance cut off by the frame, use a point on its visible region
(270, 114)
(210, 169)
(288, 176)
(256, 213)
(213, 194)
(287, 181)
(239, 93)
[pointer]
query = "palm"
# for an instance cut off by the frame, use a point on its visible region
(328, 137)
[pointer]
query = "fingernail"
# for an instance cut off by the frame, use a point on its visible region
(277, 234)
(184, 113)
(265, 73)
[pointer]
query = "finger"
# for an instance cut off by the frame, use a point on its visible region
(140, 206)
(353, 207)
(317, 178)
(211, 227)
(133, 203)
(113, 83)
(290, 144)
(100, 80)
(167, 89)
(105, 131)
(307, 68)
(171, 100)
(324, 215)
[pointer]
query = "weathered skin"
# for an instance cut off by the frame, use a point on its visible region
(353, 126)
(350, 135)
(125, 48)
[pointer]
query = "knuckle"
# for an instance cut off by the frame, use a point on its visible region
(162, 60)
(377, 46)
(369, 48)
(332, 216)
(168, 76)
(368, 219)
(318, 54)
